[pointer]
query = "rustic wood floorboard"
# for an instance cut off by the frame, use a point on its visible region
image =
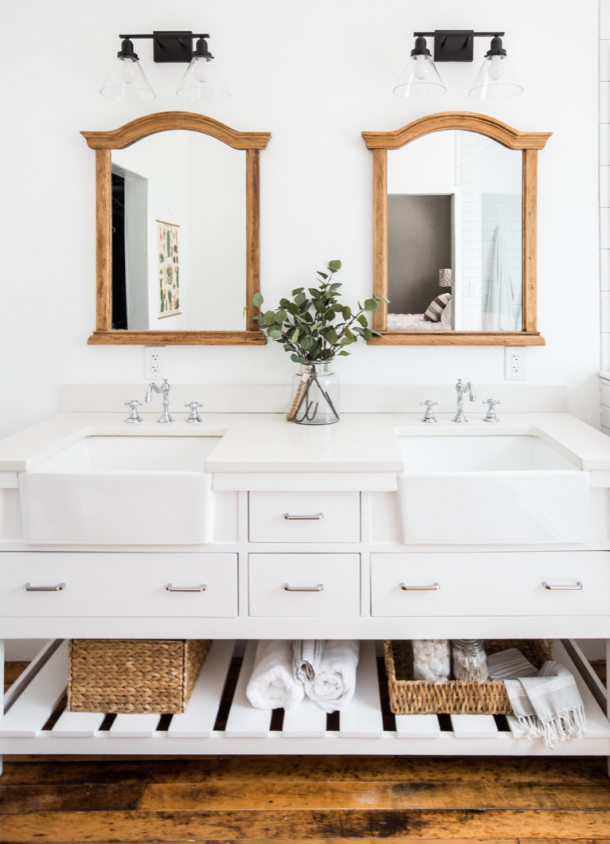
(303, 800)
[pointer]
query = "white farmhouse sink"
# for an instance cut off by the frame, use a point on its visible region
(489, 490)
(121, 490)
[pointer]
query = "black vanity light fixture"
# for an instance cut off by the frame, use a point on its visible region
(421, 80)
(127, 81)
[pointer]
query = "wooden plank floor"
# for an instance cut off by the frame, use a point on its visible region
(63, 800)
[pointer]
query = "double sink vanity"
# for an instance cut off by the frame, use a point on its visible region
(243, 526)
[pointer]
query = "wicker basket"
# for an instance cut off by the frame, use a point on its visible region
(133, 675)
(453, 697)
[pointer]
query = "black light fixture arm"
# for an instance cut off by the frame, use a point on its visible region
(456, 45)
(169, 46)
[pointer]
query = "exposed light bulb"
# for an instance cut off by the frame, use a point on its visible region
(201, 70)
(128, 72)
(495, 67)
(420, 71)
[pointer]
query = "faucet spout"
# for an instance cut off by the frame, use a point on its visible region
(164, 391)
(461, 388)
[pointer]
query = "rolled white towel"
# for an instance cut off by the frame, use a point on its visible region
(335, 682)
(307, 656)
(272, 684)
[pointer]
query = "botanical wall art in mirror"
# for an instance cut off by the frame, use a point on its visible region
(455, 232)
(177, 231)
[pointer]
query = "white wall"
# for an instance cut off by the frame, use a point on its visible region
(315, 74)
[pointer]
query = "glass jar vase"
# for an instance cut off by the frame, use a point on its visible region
(315, 395)
(469, 660)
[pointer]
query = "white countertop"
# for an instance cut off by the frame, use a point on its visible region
(261, 442)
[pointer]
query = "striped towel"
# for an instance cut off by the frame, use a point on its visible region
(306, 658)
(546, 703)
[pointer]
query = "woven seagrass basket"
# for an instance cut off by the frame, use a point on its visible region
(133, 675)
(453, 697)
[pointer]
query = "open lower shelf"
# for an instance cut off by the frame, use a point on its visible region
(220, 720)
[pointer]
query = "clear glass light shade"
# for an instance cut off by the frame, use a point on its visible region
(496, 80)
(126, 81)
(202, 81)
(419, 80)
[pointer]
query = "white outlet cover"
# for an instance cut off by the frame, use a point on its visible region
(515, 363)
(155, 362)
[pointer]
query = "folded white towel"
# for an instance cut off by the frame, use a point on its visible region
(272, 684)
(335, 682)
(307, 655)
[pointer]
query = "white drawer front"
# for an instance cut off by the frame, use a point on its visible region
(491, 584)
(304, 517)
(276, 581)
(118, 584)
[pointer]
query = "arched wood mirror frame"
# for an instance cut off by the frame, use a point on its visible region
(529, 143)
(103, 143)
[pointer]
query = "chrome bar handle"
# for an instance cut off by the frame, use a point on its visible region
(318, 588)
(433, 588)
(316, 517)
(171, 588)
(58, 588)
(572, 587)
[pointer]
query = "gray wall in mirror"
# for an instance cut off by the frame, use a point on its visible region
(419, 244)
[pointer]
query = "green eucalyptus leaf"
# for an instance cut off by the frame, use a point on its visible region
(298, 359)
(292, 308)
(274, 333)
(349, 335)
(363, 321)
(324, 275)
(334, 266)
(295, 336)
(281, 316)
(371, 305)
(257, 300)
(376, 333)
(269, 317)
(347, 312)
(300, 299)
(344, 353)
(336, 285)
(367, 334)
(385, 299)
(297, 290)
(331, 336)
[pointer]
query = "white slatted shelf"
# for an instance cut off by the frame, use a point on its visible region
(362, 718)
(33, 708)
(134, 726)
(200, 716)
(304, 728)
(417, 726)
(244, 720)
(307, 720)
(474, 726)
(77, 724)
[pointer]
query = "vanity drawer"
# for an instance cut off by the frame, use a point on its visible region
(494, 584)
(305, 585)
(118, 584)
(304, 517)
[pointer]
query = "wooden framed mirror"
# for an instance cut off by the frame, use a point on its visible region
(455, 232)
(178, 232)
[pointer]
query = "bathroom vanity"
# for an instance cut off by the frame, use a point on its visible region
(245, 527)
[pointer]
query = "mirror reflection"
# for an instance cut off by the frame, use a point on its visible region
(455, 211)
(178, 234)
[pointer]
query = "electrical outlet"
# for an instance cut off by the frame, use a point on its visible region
(155, 362)
(514, 364)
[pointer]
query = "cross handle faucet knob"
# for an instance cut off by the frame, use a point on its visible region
(194, 411)
(134, 416)
(429, 414)
(491, 415)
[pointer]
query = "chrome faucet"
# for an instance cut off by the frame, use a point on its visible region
(164, 391)
(461, 389)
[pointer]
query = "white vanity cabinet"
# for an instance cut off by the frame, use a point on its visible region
(302, 553)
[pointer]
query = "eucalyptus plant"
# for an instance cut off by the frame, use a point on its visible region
(315, 326)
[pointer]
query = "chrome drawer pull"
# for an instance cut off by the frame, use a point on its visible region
(434, 588)
(316, 517)
(573, 587)
(318, 588)
(171, 588)
(59, 588)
